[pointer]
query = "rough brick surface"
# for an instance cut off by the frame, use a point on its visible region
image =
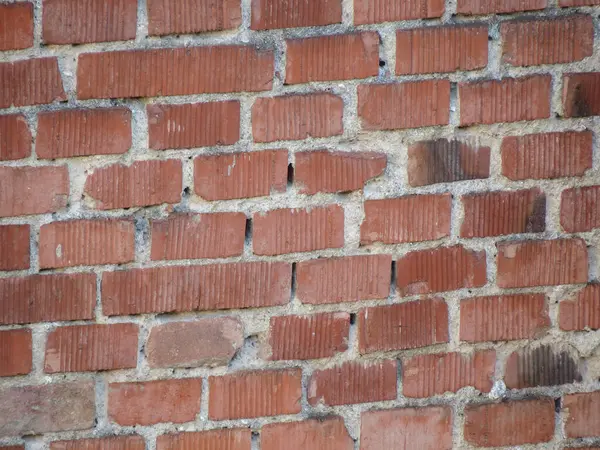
(566, 3)
(580, 209)
(15, 352)
(582, 311)
(374, 11)
(498, 6)
(16, 26)
(270, 14)
(581, 94)
(15, 137)
(226, 439)
(313, 434)
(30, 82)
(132, 442)
(14, 247)
(583, 414)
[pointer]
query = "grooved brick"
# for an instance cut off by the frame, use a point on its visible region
(270, 14)
(354, 382)
(542, 263)
(15, 137)
(283, 231)
(581, 94)
(581, 312)
(579, 209)
(255, 394)
(294, 117)
(441, 269)
(194, 236)
(347, 279)
(375, 11)
(86, 243)
(474, 7)
(325, 171)
(512, 423)
(412, 218)
(240, 175)
(47, 298)
(441, 49)
(173, 71)
(403, 326)
(313, 434)
(83, 132)
(547, 155)
(131, 442)
(309, 337)
(337, 57)
(583, 417)
(435, 374)
(16, 26)
(15, 352)
(404, 105)
(193, 288)
(143, 183)
(14, 247)
(183, 16)
(193, 124)
(30, 82)
(554, 41)
(503, 317)
(86, 348)
(225, 439)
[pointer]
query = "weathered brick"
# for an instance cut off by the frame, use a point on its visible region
(30, 82)
(375, 11)
(439, 270)
(130, 442)
(294, 117)
(225, 439)
(240, 175)
(148, 73)
(151, 402)
(16, 26)
(566, 3)
(581, 312)
(313, 434)
(309, 337)
(85, 348)
(404, 105)
(14, 247)
(474, 7)
(403, 326)
(193, 236)
(283, 231)
(175, 344)
(413, 218)
(192, 288)
(581, 94)
(579, 209)
(541, 263)
(83, 132)
(337, 57)
(583, 414)
(15, 137)
(15, 352)
(354, 382)
(270, 14)
(255, 394)
(33, 190)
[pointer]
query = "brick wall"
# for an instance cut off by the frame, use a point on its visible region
(277, 224)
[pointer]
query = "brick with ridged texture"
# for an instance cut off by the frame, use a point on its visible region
(582, 311)
(583, 414)
(30, 82)
(581, 94)
(16, 26)
(314, 434)
(14, 247)
(579, 209)
(15, 352)
(15, 137)
(476, 7)
(130, 442)
(377, 11)
(271, 14)
(220, 439)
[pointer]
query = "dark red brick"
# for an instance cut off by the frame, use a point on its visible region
(15, 137)
(580, 209)
(270, 14)
(14, 247)
(581, 312)
(15, 352)
(581, 94)
(30, 82)
(16, 26)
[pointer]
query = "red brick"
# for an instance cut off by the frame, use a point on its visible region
(503, 317)
(347, 279)
(15, 137)
(404, 105)
(150, 402)
(441, 269)
(30, 82)
(581, 312)
(255, 394)
(425, 428)
(14, 247)
(309, 337)
(337, 57)
(86, 348)
(193, 236)
(143, 183)
(581, 94)
(541, 263)
(513, 423)
(403, 326)
(554, 41)
(294, 117)
(225, 439)
(506, 100)
(325, 171)
(547, 155)
(413, 218)
(240, 175)
(354, 382)
(270, 14)
(16, 26)
(173, 71)
(583, 414)
(83, 132)
(183, 17)
(376, 11)
(441, 49)
(283, 231)
(86, 243)
(47, 298)
(33, 190)
(498, 6)
(429, 375)
(313, 434)
(45, 408)
(15, 352)
(504, 212)
(579, 209)
(566, 3)
(131, 442)
(193, 124)
(192, 288)
(175, 344)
